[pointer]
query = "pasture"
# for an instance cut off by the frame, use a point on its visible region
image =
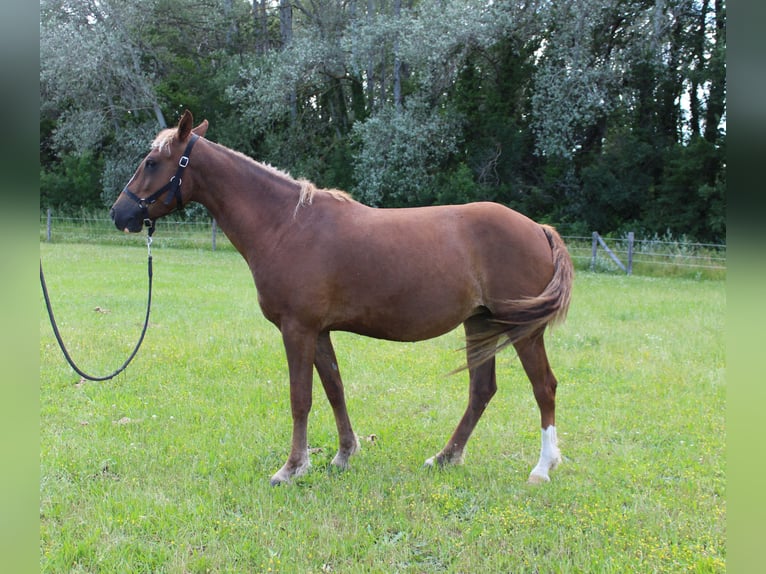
(166, 468)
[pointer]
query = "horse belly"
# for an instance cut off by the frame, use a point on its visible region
(394, 326)
(407, 310)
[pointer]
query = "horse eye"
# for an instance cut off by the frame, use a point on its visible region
(150, 163)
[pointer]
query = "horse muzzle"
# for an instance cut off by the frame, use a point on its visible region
(128, 217)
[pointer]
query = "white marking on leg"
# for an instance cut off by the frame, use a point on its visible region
(550, 456)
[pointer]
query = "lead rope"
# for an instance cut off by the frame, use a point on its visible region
(143, 331)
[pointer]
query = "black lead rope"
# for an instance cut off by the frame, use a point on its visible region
(143, 331)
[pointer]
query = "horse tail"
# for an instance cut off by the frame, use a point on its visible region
(528, 317)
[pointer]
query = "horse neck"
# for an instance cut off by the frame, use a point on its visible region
(249, 201)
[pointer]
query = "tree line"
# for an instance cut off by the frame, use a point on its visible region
(605, 115)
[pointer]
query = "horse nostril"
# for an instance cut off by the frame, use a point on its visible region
(111, 213)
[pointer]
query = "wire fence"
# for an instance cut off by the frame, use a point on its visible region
(654, 256)
(171, 233)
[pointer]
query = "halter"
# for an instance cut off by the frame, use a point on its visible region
(173, 185)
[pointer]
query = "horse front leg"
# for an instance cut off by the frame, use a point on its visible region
(300, 346)
(535, 362)
(327, 367)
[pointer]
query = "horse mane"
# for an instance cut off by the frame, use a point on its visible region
(306, 188)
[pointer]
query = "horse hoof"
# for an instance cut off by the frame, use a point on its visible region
(340, 463)
(287, 473)
(538, 479)
(279, 479)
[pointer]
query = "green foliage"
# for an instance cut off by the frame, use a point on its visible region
(122, 156)
(595, 115)
(691, 193)
(497, 144)
(399, 154)
(457, 186)
(616, 183)
(72, 183)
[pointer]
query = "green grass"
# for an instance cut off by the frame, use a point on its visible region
(166, 468)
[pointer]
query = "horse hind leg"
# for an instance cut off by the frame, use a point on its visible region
(327, 367)
(535, 362)
(482, 388)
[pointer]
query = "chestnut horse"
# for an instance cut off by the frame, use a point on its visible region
(324, 262)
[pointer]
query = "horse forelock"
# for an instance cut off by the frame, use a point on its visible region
(164, 139)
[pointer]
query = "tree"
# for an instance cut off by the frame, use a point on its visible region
(91, 67)
(111, 70)
(91, 82)
(589, 114)
(415, 129)
(399, 152)
(618, 72)
(491, 94)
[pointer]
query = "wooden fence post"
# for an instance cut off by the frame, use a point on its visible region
(598, 239)
(594, 249)
(48, 227)
(215, 228)
(630, 253)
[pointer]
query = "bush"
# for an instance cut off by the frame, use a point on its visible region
(72, 183)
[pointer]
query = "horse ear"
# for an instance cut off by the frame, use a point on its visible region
(201, 129)
(185, 125)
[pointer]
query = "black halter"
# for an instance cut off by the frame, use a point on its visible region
(174, 185)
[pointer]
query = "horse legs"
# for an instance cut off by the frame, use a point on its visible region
(482, 388)
(300, 346)
(327, 367)
(535, 362)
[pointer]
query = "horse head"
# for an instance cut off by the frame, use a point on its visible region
(158, 177)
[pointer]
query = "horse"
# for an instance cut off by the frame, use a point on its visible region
(323, 262)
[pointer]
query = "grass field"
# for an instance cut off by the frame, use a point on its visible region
(166, 468)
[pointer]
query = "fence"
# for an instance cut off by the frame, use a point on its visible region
(648, 256)
(597, 239)
(626, 254)
(170, 232)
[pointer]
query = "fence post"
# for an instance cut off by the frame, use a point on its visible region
(599, 239)
(215, 228)
(630, 253)
(594, 248)
(48, 227)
